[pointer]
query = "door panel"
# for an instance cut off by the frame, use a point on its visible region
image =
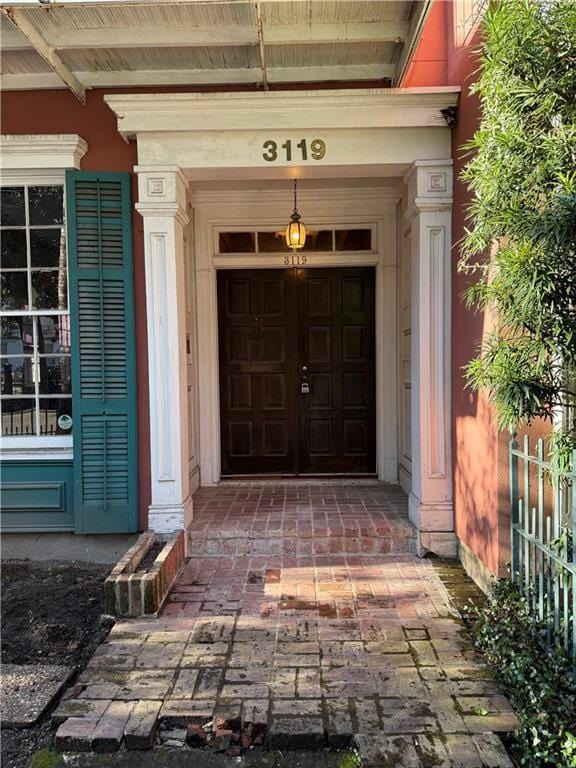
(279, 330)
(257, 315)
(336, 346)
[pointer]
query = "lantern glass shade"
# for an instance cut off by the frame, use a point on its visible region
(295, 235)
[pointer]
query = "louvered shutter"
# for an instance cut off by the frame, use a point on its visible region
(99, 215)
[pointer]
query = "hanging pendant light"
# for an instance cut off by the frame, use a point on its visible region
(295, 231)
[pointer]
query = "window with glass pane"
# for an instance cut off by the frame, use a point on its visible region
(353, 239)
(316, 240)
(327, 240)
(35, 390)
(236, 242)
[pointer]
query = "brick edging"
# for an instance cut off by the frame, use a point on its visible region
(128, 593)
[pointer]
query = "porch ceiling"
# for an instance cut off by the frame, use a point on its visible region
(115, 43)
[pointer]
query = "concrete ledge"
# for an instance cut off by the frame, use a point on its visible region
(133, 593)
(63, 545)
(401, 540)
(476, 569)
(441, 543)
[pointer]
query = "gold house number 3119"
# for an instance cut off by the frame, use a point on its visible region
(272, 152)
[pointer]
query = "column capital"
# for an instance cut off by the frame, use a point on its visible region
(428, 187)
(162, 192)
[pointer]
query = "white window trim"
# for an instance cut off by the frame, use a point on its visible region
(57, 447)
(40, 153)
(38, 159)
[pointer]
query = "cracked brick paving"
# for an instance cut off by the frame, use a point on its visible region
(316, 648)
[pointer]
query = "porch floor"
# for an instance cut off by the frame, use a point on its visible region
(303, 650)
(301, 517)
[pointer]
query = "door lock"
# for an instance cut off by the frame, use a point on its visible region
(305, 388)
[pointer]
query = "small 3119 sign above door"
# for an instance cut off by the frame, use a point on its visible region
(292, 151)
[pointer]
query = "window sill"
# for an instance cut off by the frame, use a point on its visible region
(18, 448)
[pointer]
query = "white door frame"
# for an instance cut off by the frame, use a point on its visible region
(259, 209)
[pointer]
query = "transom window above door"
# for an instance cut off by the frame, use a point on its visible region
(319, 240)
(34, 315)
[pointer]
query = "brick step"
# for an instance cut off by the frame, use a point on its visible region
(400, 540)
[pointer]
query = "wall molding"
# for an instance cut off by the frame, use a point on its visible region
(161, 356)
(41, 151)
(37, 495)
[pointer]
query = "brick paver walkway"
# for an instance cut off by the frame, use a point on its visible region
(305, 650)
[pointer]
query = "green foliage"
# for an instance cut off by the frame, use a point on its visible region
(45, 758)
(351, 759)
(521, 245)
(540, 683)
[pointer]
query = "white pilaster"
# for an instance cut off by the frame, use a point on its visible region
(429, 207)
(162, 204)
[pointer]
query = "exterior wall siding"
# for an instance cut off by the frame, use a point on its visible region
(481, 484)
(55, 111)
(480, 455)
(445, 56)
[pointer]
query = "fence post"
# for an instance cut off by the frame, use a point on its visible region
(572, 477)
(514, 507)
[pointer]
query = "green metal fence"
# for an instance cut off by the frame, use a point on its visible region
(543, 540)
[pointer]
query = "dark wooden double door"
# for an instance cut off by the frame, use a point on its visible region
(297, 380)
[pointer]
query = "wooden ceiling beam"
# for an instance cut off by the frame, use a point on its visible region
(158, 77)
(20, 20)
(261, 46)
(188, 37)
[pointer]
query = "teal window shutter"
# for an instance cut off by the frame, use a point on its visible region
(99, 220)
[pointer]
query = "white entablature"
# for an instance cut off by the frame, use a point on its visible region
(366, 132)
(282, 110)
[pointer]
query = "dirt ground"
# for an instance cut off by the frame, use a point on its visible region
(51, 614)
(162, 758)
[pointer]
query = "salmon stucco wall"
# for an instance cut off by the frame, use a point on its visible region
(58, 111)
(429, 62)
(446, 55)
(480, 453)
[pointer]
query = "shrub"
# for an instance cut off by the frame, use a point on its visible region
(540, 683)
(522, 174)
